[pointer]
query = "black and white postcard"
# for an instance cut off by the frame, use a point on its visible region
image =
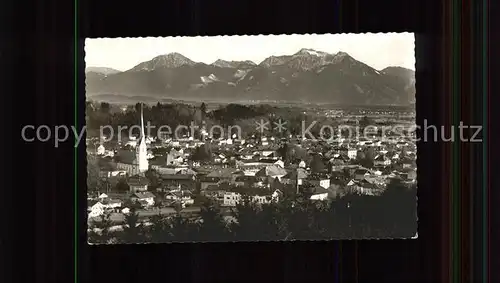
(251, 138)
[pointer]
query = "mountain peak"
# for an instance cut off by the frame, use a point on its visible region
(233, 64)
(342, 54)
(399, 71)
(170, 60)
(341, 57)
(222, 63)
(274, 61)
(102, 70)
(249, 62)
(308, 51)
(397, 68)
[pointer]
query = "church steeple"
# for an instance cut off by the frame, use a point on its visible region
(142, 124)
(142, 149)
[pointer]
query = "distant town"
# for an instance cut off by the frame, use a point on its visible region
(138, 179)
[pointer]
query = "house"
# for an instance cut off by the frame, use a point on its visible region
(127, 161)
(248, 181)
(96, 210)
(377, 180)
(101, 150)
(381, 160)
(302, 164)
(175, 157)
(206, 182)
(215, 193)
(280, 163)
(261, 199)
(225, 174)
(184, 197)
(319, 193)
(410, 174)
(276, 196)
(339, 160)
(270, 154)
(408, 163)
(176, 180)
(146, 198)
(401, 144)
(112, 173)
(351, 169)
(112, 204)
(294, 177)
(138, 183)
(250, 168)
(351, 153)
(272, 171)
(319, 180)
(102, 197)
(361, 173)
(186, 171)
(364, 187)
(231, 199)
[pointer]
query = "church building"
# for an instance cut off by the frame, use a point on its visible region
(138, 163)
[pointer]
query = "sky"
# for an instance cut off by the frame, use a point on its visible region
(378, 50)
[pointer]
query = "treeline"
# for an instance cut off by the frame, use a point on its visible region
(175, 114)
(391, 215)
(160, 114)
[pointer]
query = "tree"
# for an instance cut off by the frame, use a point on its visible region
(133, 230)
(89, 107)
(393, 214)
(132, 205)
(404, 153)
(103, 234)
(360, 155)
(159, 231)
(138, 107)
(158, 204)
(283, 152)
(153, 178)
(276, 185)
(214, 226)
(122, 185)
(202, 153)
(317, 165)
(93, 178)
(365, 122)
(201, 200)
(368, 159)
(105, 107)
(203, 109)
(248, 226)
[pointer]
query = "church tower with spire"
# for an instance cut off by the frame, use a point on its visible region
(142, 150)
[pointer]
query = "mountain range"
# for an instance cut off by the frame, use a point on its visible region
(101, 70)
(306, 76)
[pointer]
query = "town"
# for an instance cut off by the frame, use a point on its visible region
(147, 175)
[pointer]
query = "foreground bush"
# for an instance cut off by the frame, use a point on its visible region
(392, 215)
